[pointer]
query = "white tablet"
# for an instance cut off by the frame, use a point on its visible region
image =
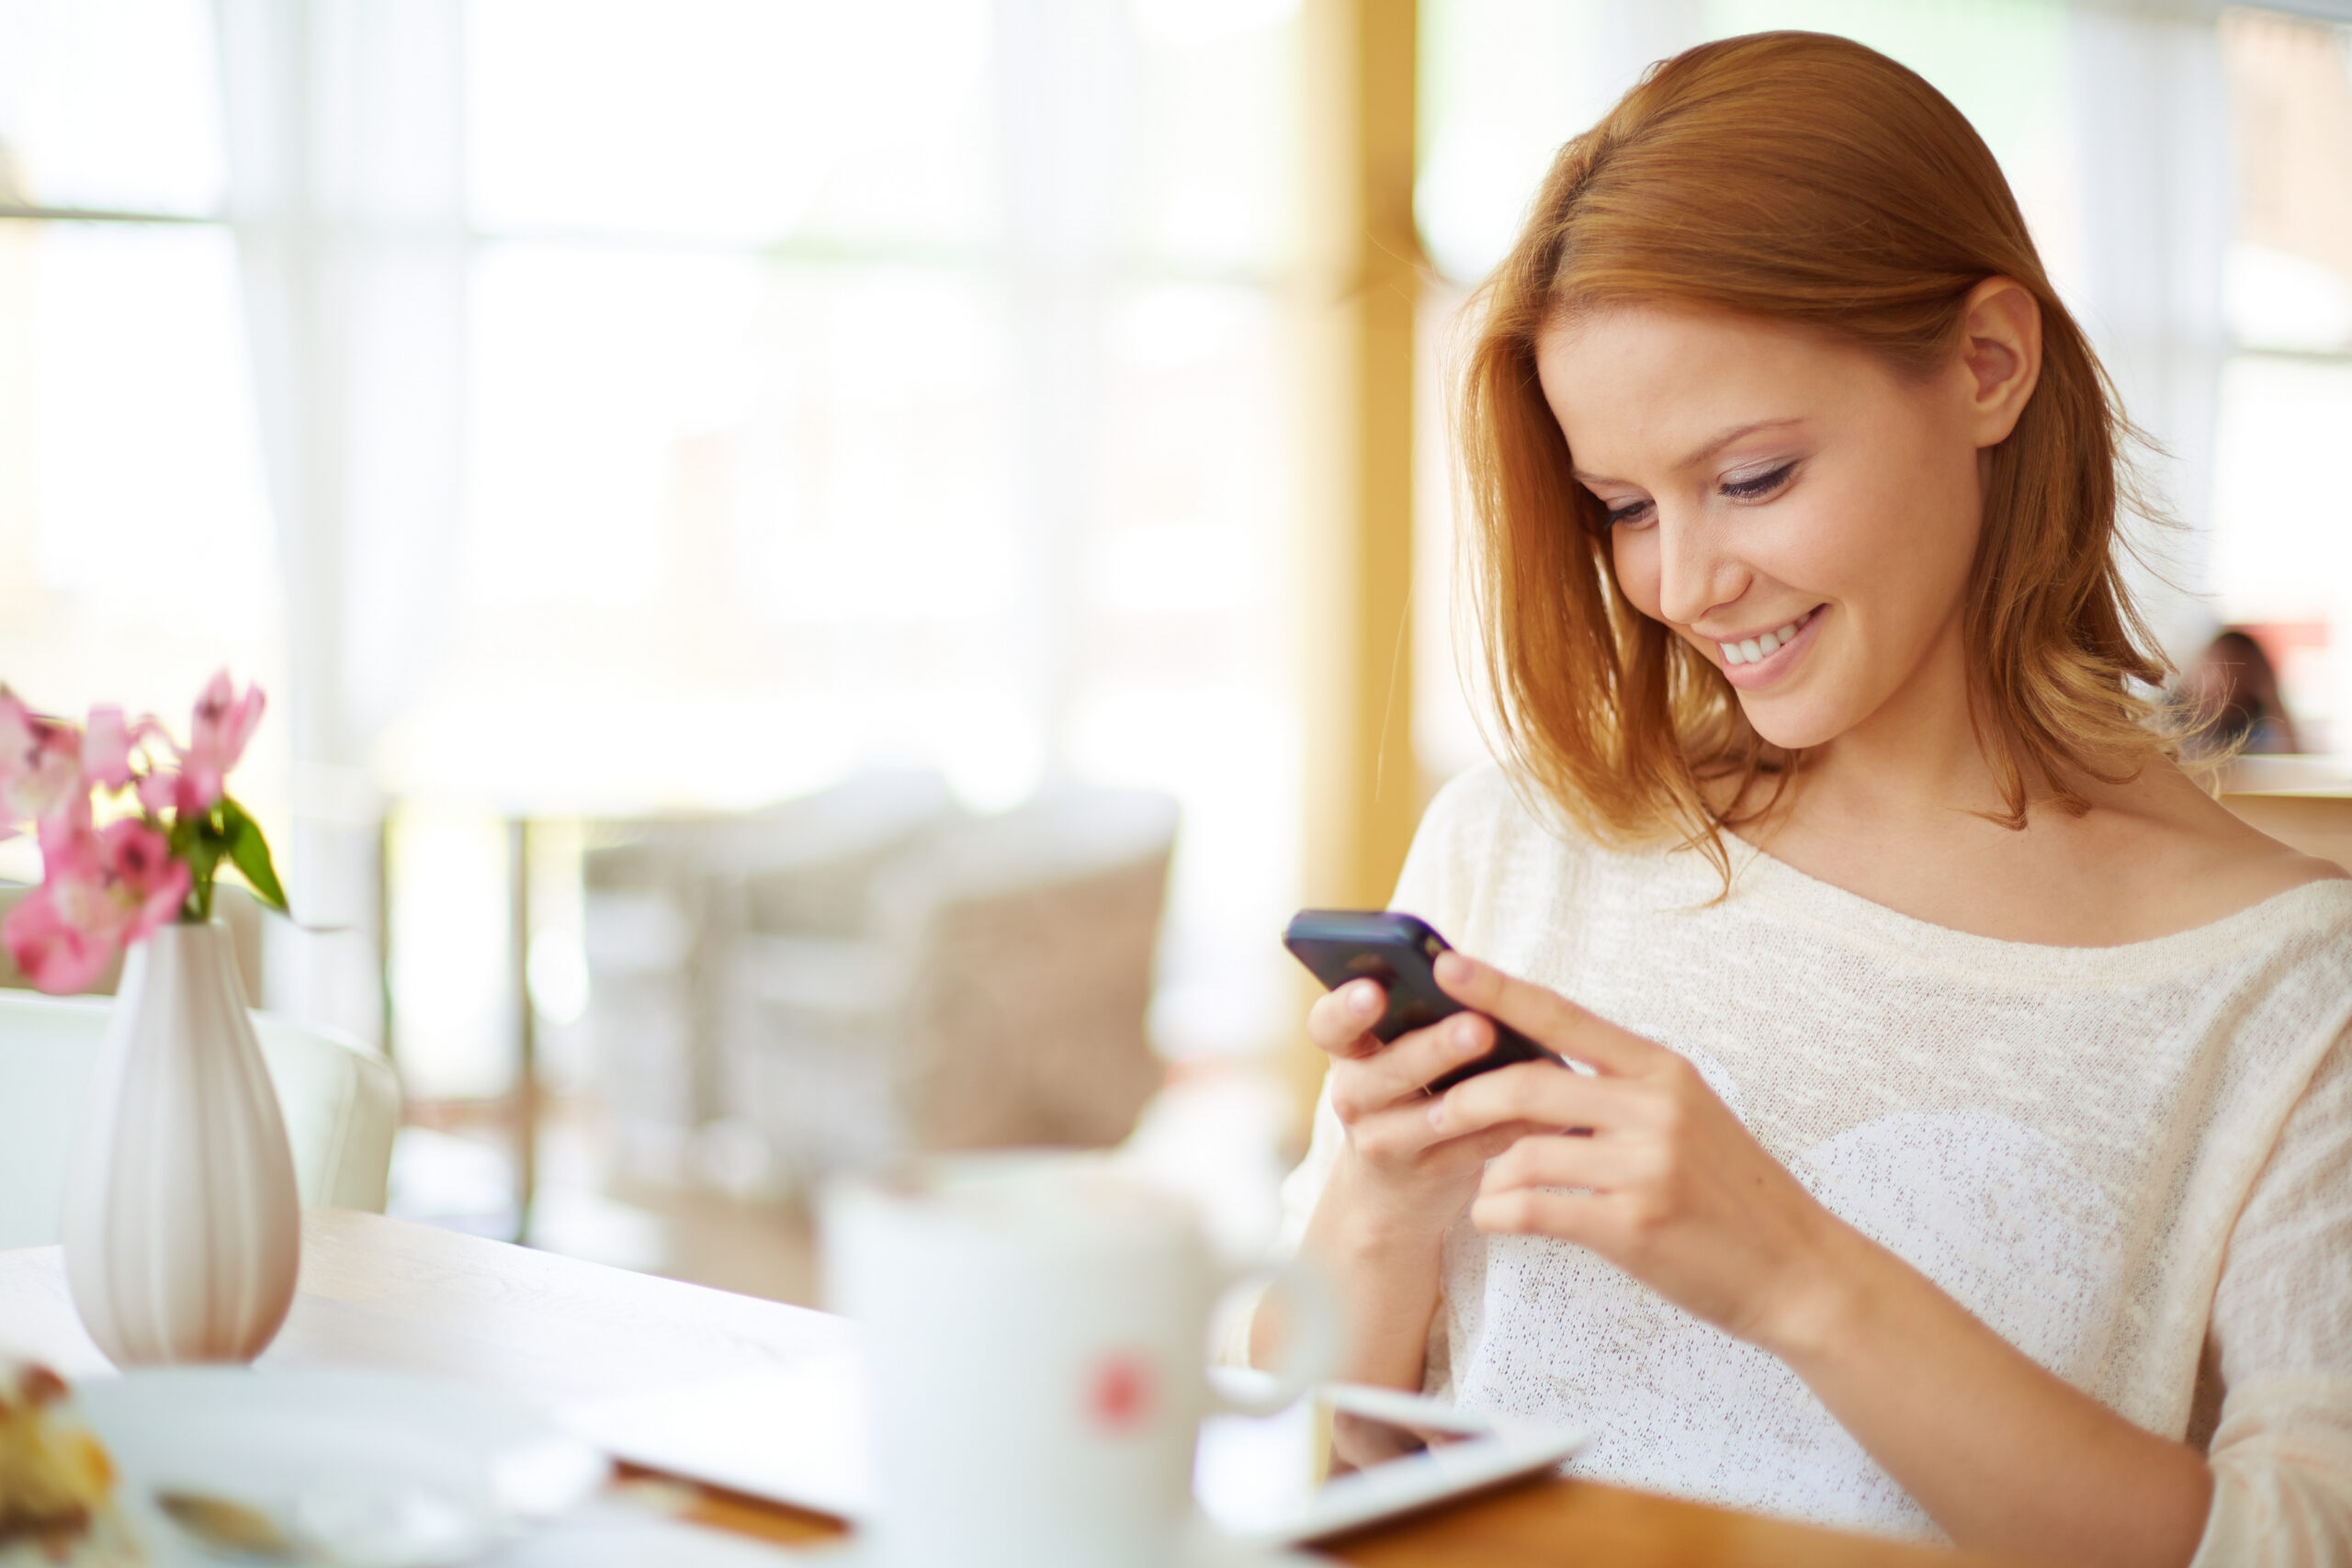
(1351, 1455)
(1345, 1456)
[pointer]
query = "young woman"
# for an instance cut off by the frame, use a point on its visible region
(1969, 1143)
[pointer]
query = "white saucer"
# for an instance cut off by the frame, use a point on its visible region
(286, 1441)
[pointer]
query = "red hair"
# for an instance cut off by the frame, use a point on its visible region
(1808, 179)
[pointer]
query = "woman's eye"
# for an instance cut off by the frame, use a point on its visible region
(1632, 512)
(1761, 485)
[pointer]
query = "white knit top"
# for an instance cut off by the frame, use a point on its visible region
(2122, 1158)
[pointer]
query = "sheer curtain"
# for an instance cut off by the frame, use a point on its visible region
(684, 405)
(347, 198)
(137, 550)
(2155, 206)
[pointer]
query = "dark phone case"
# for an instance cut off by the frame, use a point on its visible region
(1400, 952)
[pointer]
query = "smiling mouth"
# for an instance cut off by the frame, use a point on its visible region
(1756, 649)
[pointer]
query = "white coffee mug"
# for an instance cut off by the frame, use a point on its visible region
(1036, 1351)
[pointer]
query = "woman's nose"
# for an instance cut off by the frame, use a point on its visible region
(1695, 574)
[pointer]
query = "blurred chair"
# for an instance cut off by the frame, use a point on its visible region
(644, 931)
(339, 1099)
(805, 867)
(232, 905)
(1037, 934)
(667, 902)
(994, 998)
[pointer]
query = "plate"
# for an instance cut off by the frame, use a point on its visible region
(345, 1451)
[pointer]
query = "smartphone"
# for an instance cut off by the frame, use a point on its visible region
(1400, 952)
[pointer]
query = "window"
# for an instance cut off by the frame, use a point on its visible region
(601, 406)
(2282, 565)
(136, 554)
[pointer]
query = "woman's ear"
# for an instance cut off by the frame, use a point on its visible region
(2000, 350)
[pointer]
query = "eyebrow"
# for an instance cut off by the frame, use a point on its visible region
(1705, 452)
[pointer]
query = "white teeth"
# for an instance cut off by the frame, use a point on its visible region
(1763, 645)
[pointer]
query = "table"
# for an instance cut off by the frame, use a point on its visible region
(397, 1296)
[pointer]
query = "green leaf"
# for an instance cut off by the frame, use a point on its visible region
(203, 854)
(249, 851)
(182, 839)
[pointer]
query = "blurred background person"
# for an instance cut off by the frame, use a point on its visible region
(2232, 694)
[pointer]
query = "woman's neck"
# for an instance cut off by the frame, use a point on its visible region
(1915, 765)
(1908, 810)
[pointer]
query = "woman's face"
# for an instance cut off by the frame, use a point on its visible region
(1793, 508)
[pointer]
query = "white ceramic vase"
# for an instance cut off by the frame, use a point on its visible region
(183, 1227)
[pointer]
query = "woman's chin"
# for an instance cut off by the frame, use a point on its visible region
(1788, 725)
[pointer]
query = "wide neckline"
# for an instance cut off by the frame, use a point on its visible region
(1757, 870)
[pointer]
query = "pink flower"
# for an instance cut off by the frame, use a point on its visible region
(102, 888)
(142, 877)
(69, 846)
(40, 763)
(107, 741)
(159, 789)
(58, 956)
(224, 722)
(99, 891)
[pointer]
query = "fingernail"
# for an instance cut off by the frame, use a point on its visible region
(1437, 1111)
(1452, 967)
(1359, 997)
(1465, 1042)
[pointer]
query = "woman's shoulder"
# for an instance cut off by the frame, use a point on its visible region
(2193, 863)
(1493, 847)
(1496, 811)
(1491, 806)
(1477, 795)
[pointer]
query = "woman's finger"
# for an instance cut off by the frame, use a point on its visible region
(1393, 1136)
(1401, 1132)
(1598, 1164)
(1541, 1093)
(1340, 1020)
(1404, 1070)
(1538, 1211)
(1543, 1016)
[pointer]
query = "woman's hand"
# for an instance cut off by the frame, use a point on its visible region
(1397, 1184)
(1668, 1185)
(1410, 1180)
